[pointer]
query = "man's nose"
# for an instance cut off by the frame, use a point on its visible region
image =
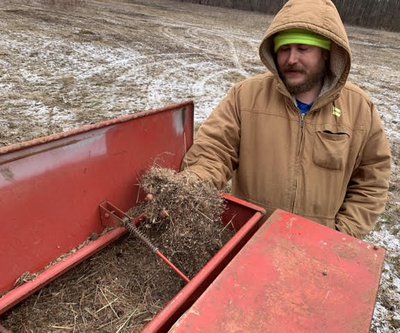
(293, 56)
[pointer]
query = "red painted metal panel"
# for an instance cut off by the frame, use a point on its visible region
(18, 294)
(294, 275)
(51, 188)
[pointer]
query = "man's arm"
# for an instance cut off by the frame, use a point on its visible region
(368, 187)
(215, 152)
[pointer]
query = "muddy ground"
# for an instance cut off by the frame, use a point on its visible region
(67, 63)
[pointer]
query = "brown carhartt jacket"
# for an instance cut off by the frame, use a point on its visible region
(332, 167)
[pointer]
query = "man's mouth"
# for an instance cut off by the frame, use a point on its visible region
(293, 71)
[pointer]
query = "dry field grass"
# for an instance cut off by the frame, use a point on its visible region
(67, 63)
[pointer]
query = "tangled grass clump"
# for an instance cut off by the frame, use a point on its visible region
(183, 217)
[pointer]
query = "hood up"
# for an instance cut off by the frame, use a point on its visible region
(321, 17)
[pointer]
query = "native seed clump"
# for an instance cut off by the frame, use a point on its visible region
(182, 217)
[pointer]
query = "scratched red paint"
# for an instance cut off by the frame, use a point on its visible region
(293, 276)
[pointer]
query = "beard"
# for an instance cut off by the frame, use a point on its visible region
(311, 79)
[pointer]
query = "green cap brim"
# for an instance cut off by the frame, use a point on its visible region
(297, 36)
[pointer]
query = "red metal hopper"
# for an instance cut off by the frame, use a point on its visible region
(53, 189)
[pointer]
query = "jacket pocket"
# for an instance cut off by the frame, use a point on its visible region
(331, 147)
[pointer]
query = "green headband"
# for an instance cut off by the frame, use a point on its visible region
(298, 36)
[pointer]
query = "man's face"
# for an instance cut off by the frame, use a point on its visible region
(301, 67)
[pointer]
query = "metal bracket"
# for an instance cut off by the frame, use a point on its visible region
(112, 216)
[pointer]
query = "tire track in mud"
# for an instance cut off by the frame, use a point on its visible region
(196, 38)
(201, 36)
(224, 65)
(126, 28)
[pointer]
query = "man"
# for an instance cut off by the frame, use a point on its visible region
(300, 138)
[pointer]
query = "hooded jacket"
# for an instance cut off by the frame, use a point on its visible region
(331, 166)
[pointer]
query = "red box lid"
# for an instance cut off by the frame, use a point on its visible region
(294, 275)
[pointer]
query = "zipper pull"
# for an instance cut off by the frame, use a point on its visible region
(302, 115)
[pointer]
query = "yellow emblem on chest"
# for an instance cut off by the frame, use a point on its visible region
(336, 112)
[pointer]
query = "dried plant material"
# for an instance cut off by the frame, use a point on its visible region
(121, 288)
(25, 277)
(184, 216)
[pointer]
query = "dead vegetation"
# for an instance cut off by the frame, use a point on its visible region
(186, 213)
(122, 288)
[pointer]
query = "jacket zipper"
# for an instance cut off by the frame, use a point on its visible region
(302, 116)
